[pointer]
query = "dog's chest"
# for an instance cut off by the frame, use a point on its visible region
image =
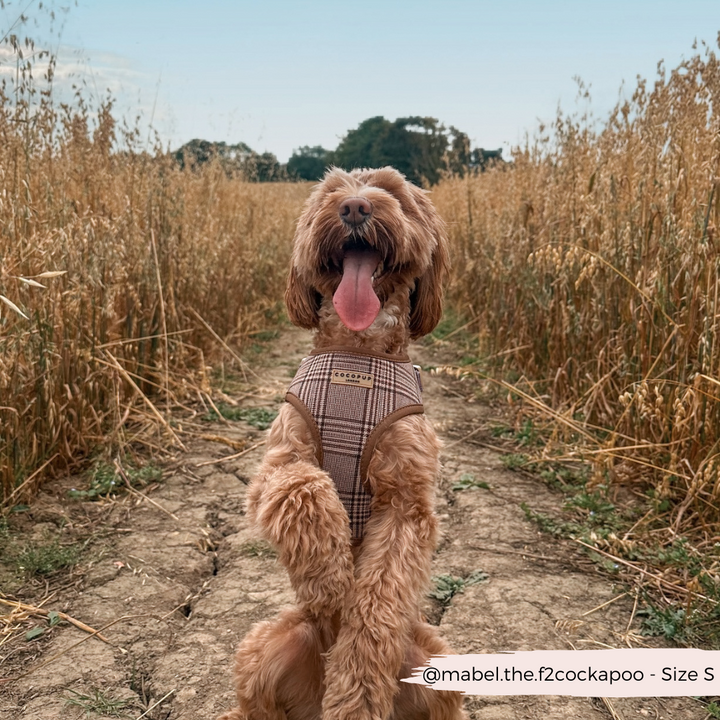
(349, 399)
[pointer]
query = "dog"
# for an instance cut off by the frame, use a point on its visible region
(351, 512)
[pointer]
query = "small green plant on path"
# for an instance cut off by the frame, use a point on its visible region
(97, 702)
(105, 480)
(23, 558)
(258, 549)
(467, 481)
(447, 586)
(53, 619)
(260, 418)
(670, 623)
(516, 461)
(551, 525)
(45, 558)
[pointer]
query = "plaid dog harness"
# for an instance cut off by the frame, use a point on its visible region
(348, 399)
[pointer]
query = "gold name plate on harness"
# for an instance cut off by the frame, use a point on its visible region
(351, 377)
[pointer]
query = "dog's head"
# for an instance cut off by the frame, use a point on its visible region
(362, 236)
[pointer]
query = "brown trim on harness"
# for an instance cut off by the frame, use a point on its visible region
(377, 433)
(300, 406)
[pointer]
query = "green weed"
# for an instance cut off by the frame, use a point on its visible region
(99, 703)
(597, 512)
(660, 505)
(53, 619)
(527, 434)
(670, 623)
(678, 554)
(565, 477)
(44, 558)
(258, 549)
(551, 525)
(260, 418)
(499, 431)
(105, 480)
(516, 461)
(447, 586)
(468, 481)
(692, 625)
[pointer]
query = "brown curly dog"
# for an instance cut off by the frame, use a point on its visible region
(345, 491)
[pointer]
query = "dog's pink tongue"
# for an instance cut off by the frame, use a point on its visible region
(355, 300)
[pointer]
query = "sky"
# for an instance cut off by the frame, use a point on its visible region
(281, 74)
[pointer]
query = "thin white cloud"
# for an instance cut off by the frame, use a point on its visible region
(97, 78)
(102, 73)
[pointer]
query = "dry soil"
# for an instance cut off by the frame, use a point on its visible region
(176, 577)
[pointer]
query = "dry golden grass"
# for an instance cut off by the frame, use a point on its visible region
(121, 277)
(591, 267)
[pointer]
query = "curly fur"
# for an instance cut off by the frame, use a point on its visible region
(356, 629)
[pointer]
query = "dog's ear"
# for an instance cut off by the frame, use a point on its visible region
(427, 299)
(302, 302)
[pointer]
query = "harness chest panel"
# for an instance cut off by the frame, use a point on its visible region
(348, 400)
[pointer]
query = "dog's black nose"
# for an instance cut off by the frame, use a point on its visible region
(355, 210)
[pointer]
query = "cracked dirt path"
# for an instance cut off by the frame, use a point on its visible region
(183, 578)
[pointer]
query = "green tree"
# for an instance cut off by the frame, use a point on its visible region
(360, 147)
(309, 163)
(239, 159)
(421, 148)
(199, 152)
(264, 167)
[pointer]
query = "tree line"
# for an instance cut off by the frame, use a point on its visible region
(422, 148)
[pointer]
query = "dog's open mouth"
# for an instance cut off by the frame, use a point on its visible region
(355, 299)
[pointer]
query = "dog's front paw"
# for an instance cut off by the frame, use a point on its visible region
(358, 684)
(298, 510)
(348, 711)
(233, 715)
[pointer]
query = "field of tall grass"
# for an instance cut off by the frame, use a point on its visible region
(121, 279)
(590, 266)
